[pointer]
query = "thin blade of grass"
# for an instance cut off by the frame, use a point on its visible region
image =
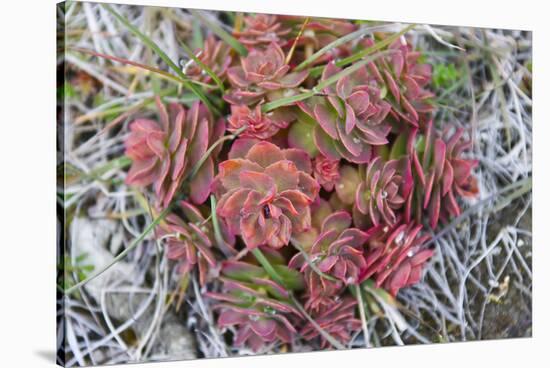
(152, 45)
(310, 262)
(197, 38)
(340, 41)
(139, 65)
(215, 223)
(350, 69)
(221, 33)
(116, 163)
(369, 50)
(323, 84)
(287, 101)
(203, 66)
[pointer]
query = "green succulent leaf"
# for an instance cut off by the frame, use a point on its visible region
(399, 147)
(292, 279)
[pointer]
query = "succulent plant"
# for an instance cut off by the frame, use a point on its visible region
(188, 242)
(384, 188)
(163, 153)
(216, 55)
(326, 171)
(337, 252)
(351, 119)
(265, 192)
(395, 258)
(441, 174)
(261, 72)
(257, 306)
(259, 125)
(406, 79)
(262, 30)
(337, 319)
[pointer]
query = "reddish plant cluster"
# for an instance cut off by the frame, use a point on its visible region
(330, 190)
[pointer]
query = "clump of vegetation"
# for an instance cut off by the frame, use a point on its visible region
(371, 125)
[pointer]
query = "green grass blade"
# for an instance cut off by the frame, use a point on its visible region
(221, 33)
(369, 50)
(340, 41)
(310, 262)
(215, 223)
(139, 65)
(350, 69)
(323, 84)
(287, 101)
(197, 38)
(152, 45)
(203, 66)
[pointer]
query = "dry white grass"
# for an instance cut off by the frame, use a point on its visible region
(480, 256)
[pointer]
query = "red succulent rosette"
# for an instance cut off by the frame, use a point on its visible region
(441, 174)
(337, 319)
(351, 118)
(188, 242)
(395, 258)
(326, 171)
(337, 252)
(262, 30)
(261, 72)
(384, 190)
(258, 125)
(216, 55)
(406, 79)
(265, 192)
(163, 153)
(259, 308)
